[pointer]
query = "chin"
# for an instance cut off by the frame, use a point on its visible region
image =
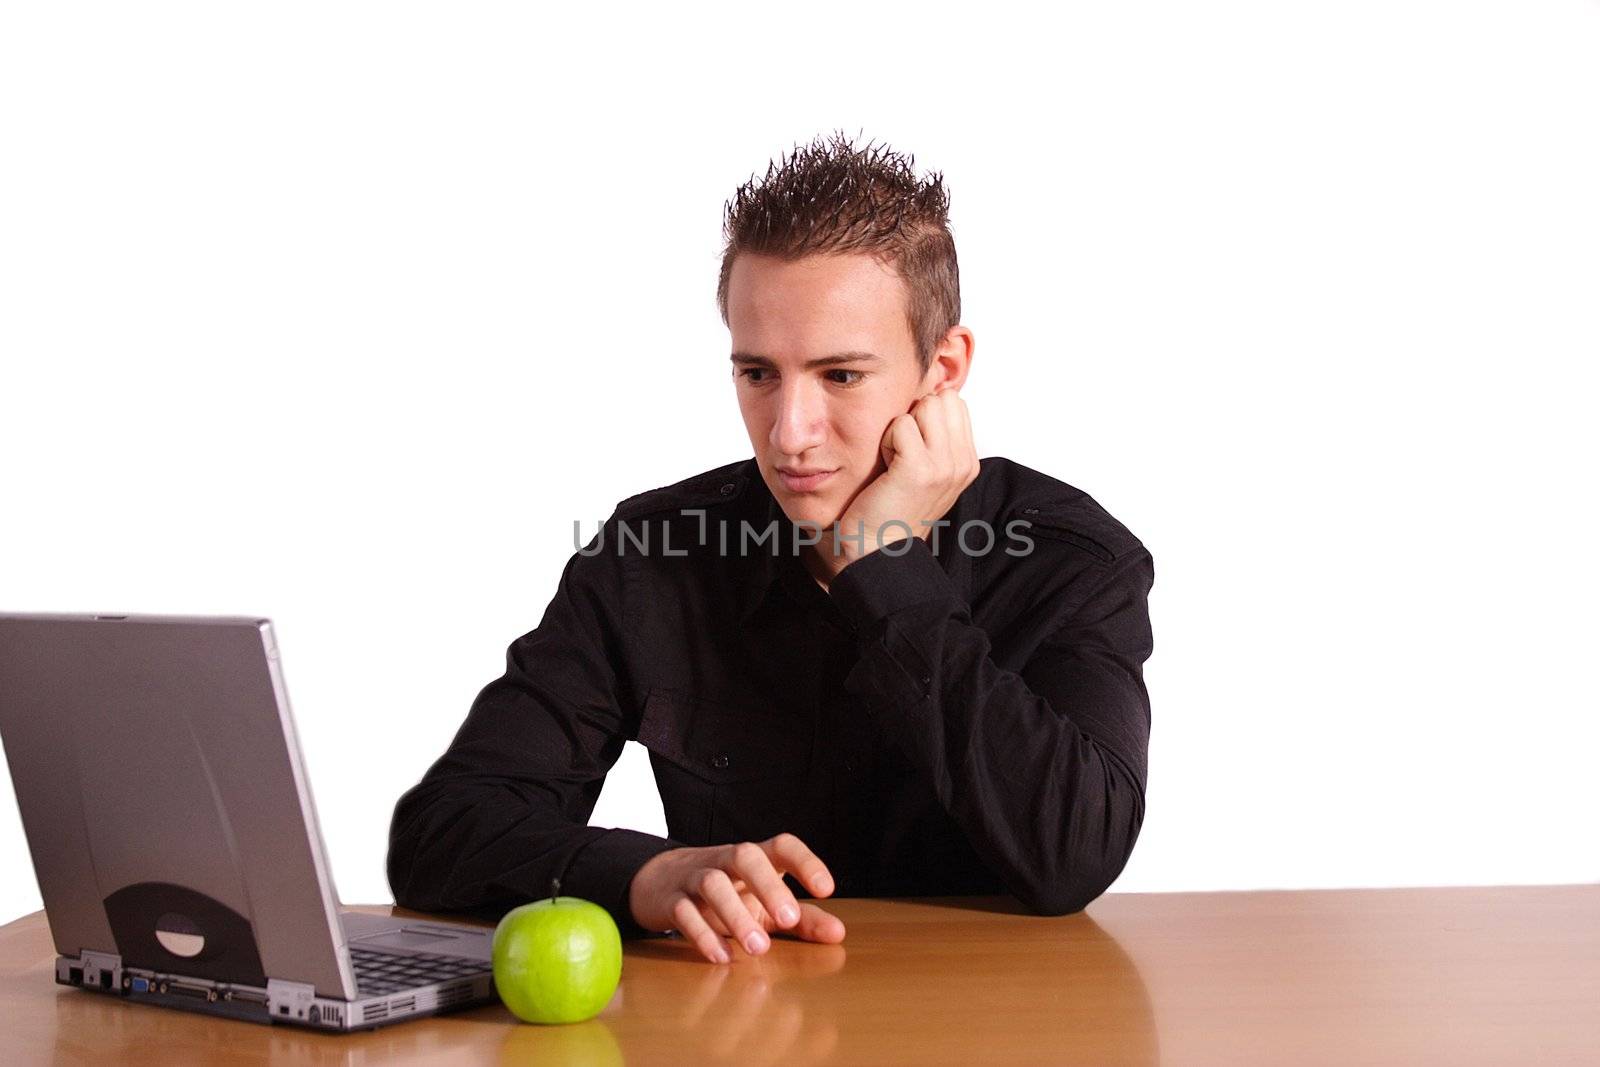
(807, 509)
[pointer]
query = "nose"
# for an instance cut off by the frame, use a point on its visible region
(802, 420)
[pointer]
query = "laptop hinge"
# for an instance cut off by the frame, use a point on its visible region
(289, 1000)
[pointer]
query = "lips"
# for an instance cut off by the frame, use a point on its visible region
(802, 479)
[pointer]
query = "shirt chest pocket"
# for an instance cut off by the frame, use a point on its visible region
(727, 771)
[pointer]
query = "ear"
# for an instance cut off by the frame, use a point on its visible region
(952, 361)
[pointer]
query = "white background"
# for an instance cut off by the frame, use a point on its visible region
(342, 314)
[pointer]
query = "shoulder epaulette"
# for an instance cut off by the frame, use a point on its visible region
(713, 487)
(1079, 521)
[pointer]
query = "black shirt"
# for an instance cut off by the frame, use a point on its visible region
(958, 714)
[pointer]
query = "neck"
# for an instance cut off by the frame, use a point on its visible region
(814, 567)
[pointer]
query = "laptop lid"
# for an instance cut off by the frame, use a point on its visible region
(164, 798)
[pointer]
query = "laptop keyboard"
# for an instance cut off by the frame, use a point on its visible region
(387, 972)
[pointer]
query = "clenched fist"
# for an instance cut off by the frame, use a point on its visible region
(734, 890)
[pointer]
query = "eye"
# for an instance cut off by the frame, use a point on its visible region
(751, 374)
(854, 380)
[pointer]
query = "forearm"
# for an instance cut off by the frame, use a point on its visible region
(503, 812)
(485, 844)
(1046, 780)
(1050, 809)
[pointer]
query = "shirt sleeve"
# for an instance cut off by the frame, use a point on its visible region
(1044, 770)
(505, 809)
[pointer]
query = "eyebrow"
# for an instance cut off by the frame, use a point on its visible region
(821, 361)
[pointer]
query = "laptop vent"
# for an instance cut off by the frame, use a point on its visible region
(374, 1012)
(332, 1015)
(454, 994)
(408, 1004)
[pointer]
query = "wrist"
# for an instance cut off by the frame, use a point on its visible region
(847, 547)
(639, 894)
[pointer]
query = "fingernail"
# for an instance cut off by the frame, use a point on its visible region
(788, 915)
(722, 955)
(755, 941)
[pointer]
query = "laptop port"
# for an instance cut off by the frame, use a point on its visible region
(75, 974)
(105, 979)
(185, 989)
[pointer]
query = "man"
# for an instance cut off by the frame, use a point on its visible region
(861, 654)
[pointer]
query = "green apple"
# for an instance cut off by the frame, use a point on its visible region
(557, 960)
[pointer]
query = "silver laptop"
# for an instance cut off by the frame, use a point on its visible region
(172, 830)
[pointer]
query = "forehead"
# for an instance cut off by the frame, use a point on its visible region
(843, 301)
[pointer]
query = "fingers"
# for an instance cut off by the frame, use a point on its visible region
(693, 926)
(790, 855)
(965, 451)
(932, 415)
(717, 890)
(751, 902)
(899, 434)
(814, 925)
(738, 891)
(818, 925)
(956, 429)
(944, 425)
(751, 862)
(967, 435)
(905, 440)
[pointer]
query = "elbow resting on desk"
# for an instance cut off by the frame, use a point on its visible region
(406, 843)
(1071, 893)
(449, 846)
(1066, 898)
(1088, 852)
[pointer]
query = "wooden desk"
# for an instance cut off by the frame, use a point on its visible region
(1457, 975)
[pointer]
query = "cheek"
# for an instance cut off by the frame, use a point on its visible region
(860, 434)
(754, 418)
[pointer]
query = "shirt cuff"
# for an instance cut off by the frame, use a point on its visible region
(603, 871)
(880, 583)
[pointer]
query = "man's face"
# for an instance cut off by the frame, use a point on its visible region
(806, 409)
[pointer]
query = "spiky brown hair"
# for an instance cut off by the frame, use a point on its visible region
(831, 198)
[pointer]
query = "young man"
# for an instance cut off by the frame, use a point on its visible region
(861, 660)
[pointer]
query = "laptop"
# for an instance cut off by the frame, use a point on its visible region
(169, 817)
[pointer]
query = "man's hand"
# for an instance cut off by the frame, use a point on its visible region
(929, 459)
(734, 890)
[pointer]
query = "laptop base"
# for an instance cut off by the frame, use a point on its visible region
(291, 1003)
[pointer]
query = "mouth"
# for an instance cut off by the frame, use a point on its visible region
(804, 480)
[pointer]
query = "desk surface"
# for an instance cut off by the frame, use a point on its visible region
(1450, 975)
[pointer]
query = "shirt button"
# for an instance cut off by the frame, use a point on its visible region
(719, 762)
(727, 488)
(927, 678)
